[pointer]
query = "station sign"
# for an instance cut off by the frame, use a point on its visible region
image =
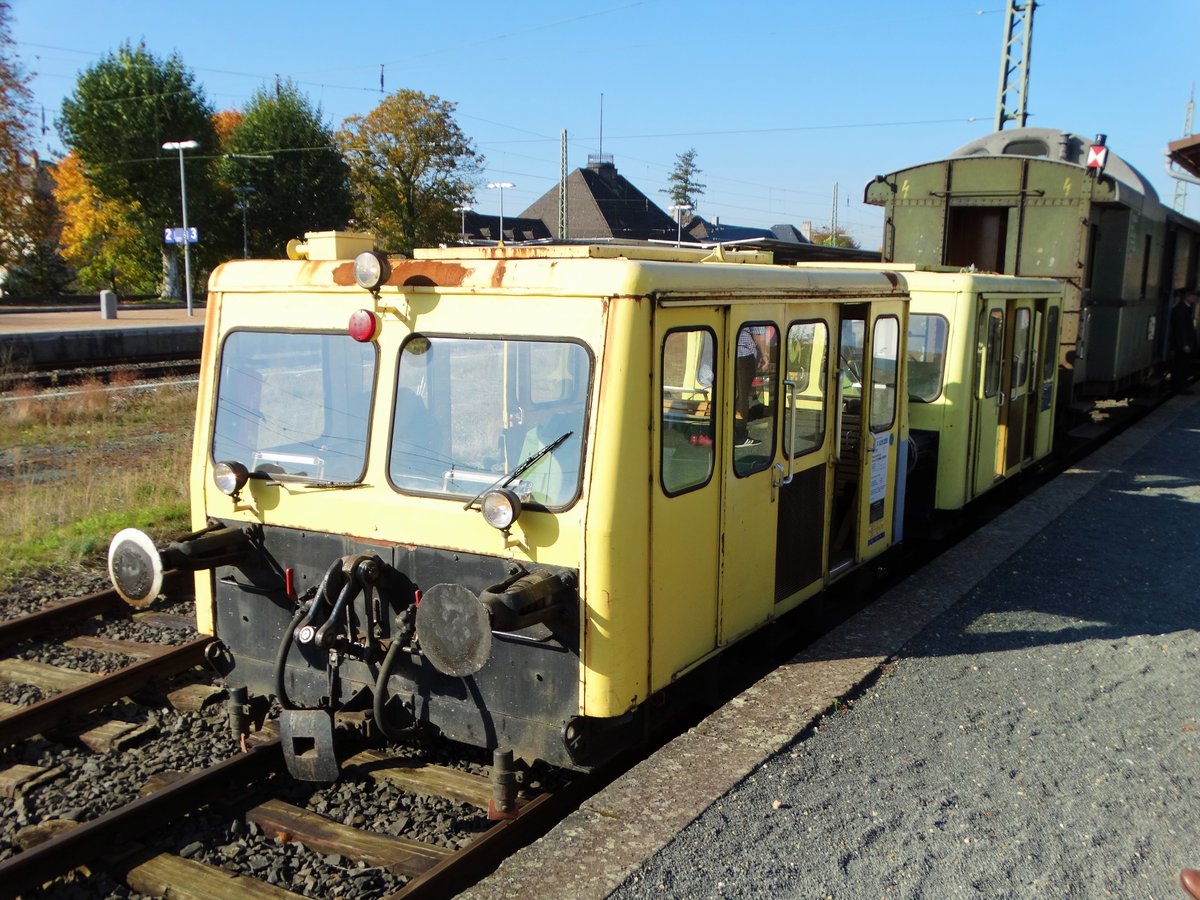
(175, 235)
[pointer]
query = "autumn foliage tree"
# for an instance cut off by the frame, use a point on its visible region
(17, 178)
(110, 243)
(410, 165)
(122, 111)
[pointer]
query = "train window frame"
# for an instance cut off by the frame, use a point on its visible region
(993, 356)
(1022, 362)
(941, 372)
(802, 385)
(458, 496)
(713, 405)
(1050, 360)
(371, 393)
(745, 465)
(877, 425)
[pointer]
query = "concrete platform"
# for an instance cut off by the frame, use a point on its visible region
(629, 830)
(40, 339)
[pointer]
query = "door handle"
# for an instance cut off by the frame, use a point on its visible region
(791, 445)
(776, 479)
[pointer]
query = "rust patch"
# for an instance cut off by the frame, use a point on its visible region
(498, 273)
(410, 272)
(427, 273)
(344, 274)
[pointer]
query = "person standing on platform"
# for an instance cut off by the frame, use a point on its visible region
(1183, 341)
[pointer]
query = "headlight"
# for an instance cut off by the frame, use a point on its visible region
(500, 508)
(371, 269)
(230, 477)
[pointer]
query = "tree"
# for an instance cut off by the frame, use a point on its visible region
(110, 243)
(304, 186)
(843, 239)
(410, 165)
(123, 109)
(685, 190)
(40, 267)
(17, 177)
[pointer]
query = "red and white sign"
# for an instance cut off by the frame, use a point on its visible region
(1097, 156)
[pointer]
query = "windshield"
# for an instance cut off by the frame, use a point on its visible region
(295, 403)
(470, 410)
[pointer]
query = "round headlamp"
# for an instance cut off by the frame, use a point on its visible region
(230, 477)
(371, 269)
(500, 508)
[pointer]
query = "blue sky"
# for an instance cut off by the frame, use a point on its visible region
(779, 99)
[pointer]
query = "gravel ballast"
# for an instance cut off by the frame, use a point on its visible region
(1040, 738)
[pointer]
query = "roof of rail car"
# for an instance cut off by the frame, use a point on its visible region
(580, 270)
(945, 278)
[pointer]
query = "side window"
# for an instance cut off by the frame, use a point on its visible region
(1050, 359)
(754, 396)
(1020, 363)
(995, 346)
(807, 367)
(926, 356)
(688, 403)
(885, 351)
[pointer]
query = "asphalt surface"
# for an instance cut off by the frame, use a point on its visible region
(1039, 738)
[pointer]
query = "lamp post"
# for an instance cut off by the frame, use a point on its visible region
(187, 258)
(243, 206)
(679, 209)
(501, 185)
(463, 210)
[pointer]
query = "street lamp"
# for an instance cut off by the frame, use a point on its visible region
(464, 209)
(679, 209)
(187, 258)
(501, 185)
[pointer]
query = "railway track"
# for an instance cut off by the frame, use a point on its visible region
(178, 832)
(58, 378)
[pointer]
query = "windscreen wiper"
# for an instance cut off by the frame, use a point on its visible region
(306, 480)
(523, 467)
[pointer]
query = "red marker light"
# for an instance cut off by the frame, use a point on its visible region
(363, 324)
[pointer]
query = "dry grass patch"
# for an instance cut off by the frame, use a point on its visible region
(76, 469)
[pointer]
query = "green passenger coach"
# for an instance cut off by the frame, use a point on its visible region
(1025, 202)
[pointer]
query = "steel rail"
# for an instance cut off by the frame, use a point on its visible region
(36, 718)
(59, 614)
(481, 857)
(56, 615)
(114, 830)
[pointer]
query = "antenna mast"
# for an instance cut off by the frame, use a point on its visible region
(1014, 63)
(1180, 185)
(562, 190)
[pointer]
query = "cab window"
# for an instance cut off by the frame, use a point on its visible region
(470, 410)
(295, 403)
(688, 424)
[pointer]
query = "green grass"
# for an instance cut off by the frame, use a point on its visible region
(75, 471)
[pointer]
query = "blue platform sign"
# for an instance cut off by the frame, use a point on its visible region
(175, 235)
